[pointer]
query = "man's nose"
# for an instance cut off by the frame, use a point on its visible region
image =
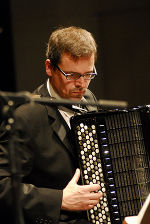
(80, 81)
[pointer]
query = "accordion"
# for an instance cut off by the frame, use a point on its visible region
(113, 148)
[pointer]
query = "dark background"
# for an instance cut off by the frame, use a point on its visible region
(121, 29)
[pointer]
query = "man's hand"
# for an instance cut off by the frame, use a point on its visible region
(80, 197)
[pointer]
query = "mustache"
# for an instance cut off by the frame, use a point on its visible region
(78, 89)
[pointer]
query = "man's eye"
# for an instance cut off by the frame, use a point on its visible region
(88, 75)
(74, 74)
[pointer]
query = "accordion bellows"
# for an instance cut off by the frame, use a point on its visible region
(113, 148)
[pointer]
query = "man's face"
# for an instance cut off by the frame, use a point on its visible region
(71, 89)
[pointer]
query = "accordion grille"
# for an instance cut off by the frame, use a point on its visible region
(129, 160)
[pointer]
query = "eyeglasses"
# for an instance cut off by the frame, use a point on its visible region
(75, 76)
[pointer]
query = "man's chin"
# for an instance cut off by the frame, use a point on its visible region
(76, 98)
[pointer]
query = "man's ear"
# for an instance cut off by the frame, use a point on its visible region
(48, 67)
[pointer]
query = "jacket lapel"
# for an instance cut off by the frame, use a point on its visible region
(59, 126)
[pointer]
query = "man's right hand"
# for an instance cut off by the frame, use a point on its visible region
(80, 197)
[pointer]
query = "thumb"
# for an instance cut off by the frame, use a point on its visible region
(76, 176)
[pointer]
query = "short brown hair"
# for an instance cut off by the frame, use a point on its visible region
(76, 41)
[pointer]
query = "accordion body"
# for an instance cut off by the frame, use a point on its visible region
(113, 148)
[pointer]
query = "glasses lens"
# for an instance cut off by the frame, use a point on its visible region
(87, 76)
(73, 76)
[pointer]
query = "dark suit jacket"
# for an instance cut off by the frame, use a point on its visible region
(48, 162)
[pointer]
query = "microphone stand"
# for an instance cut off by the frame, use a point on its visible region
(7, 114)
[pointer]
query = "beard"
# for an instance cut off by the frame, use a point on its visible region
(77, 93)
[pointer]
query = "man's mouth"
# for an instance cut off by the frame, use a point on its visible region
(78, 91)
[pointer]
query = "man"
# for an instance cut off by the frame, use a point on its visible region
(51, 192)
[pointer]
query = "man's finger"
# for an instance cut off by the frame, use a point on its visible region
(95, 196)
(92, 187)
(76, 176)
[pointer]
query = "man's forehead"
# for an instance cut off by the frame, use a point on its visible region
(71, 58)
